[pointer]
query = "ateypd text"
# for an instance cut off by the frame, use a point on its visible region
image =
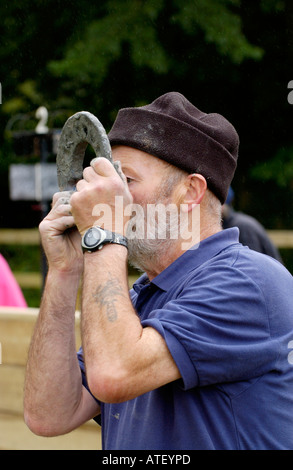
(146, 459)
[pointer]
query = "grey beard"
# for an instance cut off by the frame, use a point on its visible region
(142, 254)
(148, 241)
(154, 237)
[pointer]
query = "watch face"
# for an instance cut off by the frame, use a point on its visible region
(93, 237)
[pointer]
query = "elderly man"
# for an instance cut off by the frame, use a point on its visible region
(197, 356)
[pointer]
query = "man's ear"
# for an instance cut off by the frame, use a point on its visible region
(196, 186)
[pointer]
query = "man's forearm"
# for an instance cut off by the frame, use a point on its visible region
(53, 380)
(110, 325)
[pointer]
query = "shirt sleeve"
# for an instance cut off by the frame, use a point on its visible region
(217, 329)
(83, 374)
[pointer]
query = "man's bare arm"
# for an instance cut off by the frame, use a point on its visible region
(123, 360)
(55, 402)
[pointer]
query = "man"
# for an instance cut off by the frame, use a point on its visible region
(198, 355)
(251, 232)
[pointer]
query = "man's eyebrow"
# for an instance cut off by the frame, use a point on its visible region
(128, 168)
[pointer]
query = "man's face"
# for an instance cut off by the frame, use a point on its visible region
(150, 184)
(144, 172)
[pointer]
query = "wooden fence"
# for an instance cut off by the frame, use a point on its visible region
(281, 238)
(32, 280)
(16, 327)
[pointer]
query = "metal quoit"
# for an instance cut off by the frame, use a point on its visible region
(79, 131)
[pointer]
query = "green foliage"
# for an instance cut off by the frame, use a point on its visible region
(135, 23)
(230, 56)
(129, 22)
(32, 296)
(22, 258)
(279, 168)
(28, 96)
(272, 5)
(220, 25)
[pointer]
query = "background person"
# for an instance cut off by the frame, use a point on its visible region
(251, 232)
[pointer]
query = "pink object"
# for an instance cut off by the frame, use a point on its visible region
(10, 292)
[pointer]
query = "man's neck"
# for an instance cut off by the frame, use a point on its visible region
(169, 255)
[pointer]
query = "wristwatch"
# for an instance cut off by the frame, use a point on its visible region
(95, 238)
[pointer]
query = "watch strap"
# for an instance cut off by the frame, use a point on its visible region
(119, 239)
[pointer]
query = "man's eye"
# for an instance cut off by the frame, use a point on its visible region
(129, 180)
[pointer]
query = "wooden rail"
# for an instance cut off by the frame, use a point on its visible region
(16, 327)
(21, 236)
(281, 238)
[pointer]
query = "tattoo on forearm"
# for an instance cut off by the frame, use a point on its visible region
(107, 295)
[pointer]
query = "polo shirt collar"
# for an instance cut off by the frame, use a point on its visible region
(191, 259)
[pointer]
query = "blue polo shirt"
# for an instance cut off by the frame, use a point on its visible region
(226, 314)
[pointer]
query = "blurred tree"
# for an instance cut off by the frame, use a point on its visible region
(140, 39)
(231, 56)
(67, 57)
(278, 169)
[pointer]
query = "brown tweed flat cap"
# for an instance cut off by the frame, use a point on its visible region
(173, 129)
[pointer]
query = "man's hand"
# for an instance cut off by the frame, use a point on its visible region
(60, 238)
(100, 198)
